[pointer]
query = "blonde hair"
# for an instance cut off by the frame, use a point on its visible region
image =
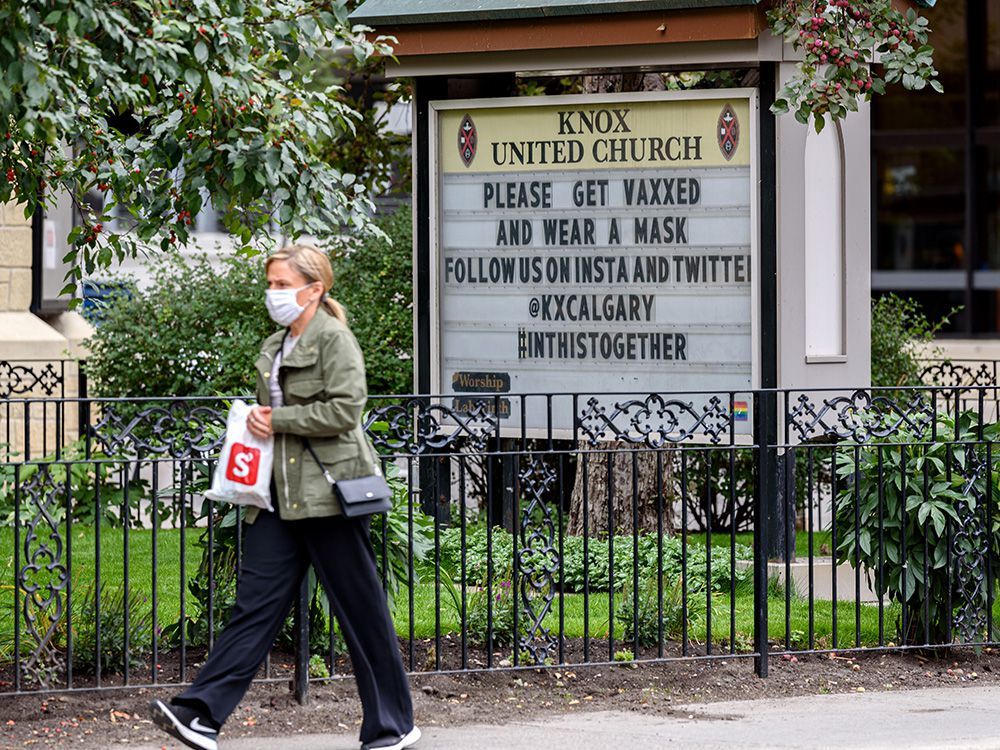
(311, 263)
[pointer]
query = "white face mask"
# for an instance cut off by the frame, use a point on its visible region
(283, 305)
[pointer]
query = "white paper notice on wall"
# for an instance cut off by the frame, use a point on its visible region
(49, 244)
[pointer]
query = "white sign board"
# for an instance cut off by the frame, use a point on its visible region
(593, 244)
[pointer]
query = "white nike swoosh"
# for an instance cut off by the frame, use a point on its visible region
(197, 726)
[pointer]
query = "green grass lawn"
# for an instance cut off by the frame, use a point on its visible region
(722, 610)
(820, 541)
(430, 605)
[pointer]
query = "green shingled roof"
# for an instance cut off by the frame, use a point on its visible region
(407, 12)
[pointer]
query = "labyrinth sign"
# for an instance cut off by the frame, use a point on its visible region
(593, 245)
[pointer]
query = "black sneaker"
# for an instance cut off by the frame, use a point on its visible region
(394, 742)
(187, 725)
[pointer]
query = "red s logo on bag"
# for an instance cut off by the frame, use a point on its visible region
(243, 463)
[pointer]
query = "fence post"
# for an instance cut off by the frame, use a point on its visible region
(764, 478)
(300, 680)
(83, 407)
(765, 403)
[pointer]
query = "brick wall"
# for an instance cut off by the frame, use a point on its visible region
(15, 259)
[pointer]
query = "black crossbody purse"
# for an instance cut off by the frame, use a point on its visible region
(362, 496)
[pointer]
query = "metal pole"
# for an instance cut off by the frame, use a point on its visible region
(765, 402)
(83, 407)
(300, 680)
(763, 484)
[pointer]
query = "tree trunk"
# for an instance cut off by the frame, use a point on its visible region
(646, 484)
(637, 491)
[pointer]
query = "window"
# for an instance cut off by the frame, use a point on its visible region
(936, 175)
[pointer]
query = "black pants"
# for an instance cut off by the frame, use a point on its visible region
(276, 555)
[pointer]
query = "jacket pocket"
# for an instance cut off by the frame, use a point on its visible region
(302, 390)
(338, 455)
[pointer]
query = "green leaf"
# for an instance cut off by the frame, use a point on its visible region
(865, 541)
(193, 79)
(201, 52)
(939, 522)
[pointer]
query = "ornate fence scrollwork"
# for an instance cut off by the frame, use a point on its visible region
(43, 576)
(970, 546)
(179, 429)
(417, 426)
(949, 374)
(22, 379)
(538, 559)
(655, 421)
(859, 417)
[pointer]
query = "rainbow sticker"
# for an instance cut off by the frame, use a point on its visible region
(740, 411)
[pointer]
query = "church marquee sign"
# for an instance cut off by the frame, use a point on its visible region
(593, 244)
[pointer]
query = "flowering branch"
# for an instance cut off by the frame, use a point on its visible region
(842, 41)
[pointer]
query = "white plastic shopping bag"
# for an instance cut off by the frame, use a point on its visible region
(243, 474)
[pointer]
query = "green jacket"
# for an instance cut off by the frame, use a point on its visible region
(323, 382)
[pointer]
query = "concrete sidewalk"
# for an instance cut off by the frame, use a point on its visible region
(917, 719)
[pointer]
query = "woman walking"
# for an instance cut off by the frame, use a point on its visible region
(311, 390)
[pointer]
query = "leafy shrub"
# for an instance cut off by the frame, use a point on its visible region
(213, 587)
(397, 536)
(88, 505)
(373, 279)
(645, 627)
(476, 552)
(498, 604)
(956, 491)
(597, 573)
(899, 328)
(108, 610)
(318, 668)
(196, 330)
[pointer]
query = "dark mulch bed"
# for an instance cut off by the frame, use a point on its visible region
(98, 720)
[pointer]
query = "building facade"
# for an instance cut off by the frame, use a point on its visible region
(936, 177)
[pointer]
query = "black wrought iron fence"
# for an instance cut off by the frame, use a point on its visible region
(906, 480)
(49, 425)
(527, 530)
(979, 374)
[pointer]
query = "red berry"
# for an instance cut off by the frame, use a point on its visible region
(10, 175)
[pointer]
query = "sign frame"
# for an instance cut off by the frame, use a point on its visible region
(751, 134)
